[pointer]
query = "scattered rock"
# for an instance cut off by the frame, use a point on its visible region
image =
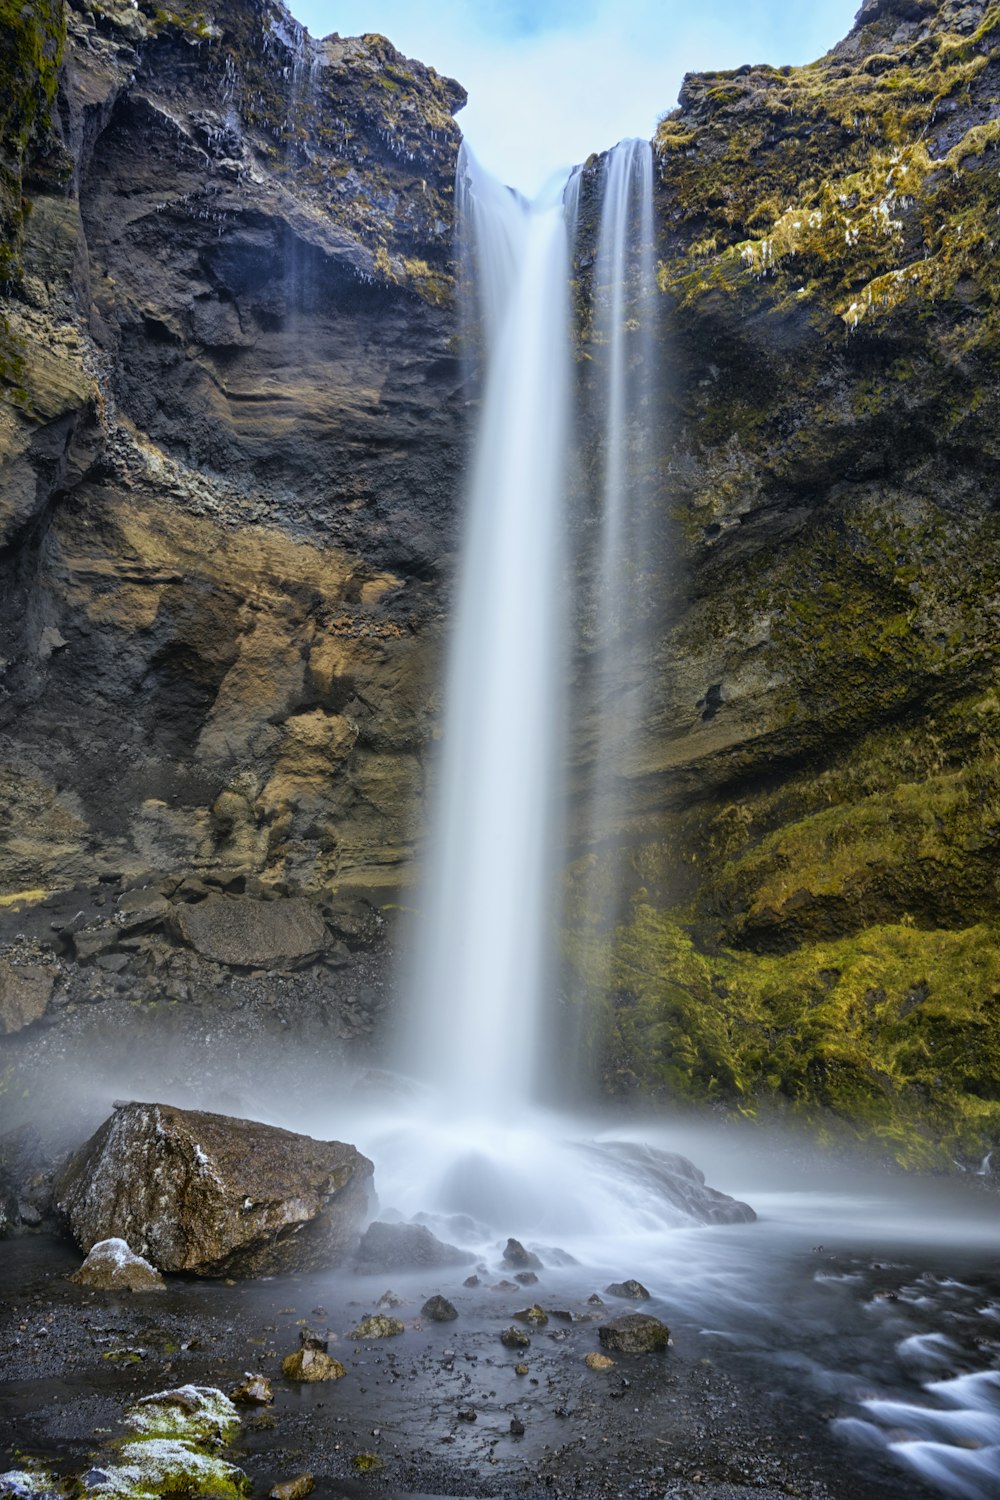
(401, 1247)
(28, 1484)
(256, 1390)
(245, 933)
(215, 1196)
(595, 1361)
(515, 1255)
(196, 1413)
(472, 1281)
(635, 1333)
(293, 1489)
(467, 1414)
(526, 1278)
(533, 1314)
(377, 1326)
(505, 1286)
(516, 1427)
(25, 992)
(515, 1338)
(367, 1463)
(439, 1310)
(521, 1369)
(308, 1365)
(111, 1267)
(595, 1301)
(389, 1299)
(633, 1290)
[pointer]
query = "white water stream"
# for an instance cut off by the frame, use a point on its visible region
(465, 1148)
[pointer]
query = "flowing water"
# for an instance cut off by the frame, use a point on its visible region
(483, 946)
(903, 1355)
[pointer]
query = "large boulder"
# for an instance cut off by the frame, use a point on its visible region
(406, 1247)
(250, 934)
(214, 1196)
(635, 1333)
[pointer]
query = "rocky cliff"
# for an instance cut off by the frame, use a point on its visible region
(230, 439)
(813, 857)
(228, 447)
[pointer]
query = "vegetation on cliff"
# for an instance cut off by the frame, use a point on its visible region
(814, 915)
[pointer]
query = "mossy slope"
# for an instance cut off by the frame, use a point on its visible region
(811, 847)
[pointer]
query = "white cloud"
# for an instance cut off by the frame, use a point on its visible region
(541, 101)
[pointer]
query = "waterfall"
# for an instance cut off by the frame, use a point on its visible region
(483, 951)
(464, 1146)
(624, 335)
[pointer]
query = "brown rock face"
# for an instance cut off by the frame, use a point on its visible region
(253, 934)
(215, 1196)
(25, 990)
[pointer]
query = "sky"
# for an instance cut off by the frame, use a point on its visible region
(550, 81)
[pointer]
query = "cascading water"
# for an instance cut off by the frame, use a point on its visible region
(474, 1142)
(483, 949)
(624, 316)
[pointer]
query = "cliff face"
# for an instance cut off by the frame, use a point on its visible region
(814, 918)
(228, 445)
(229, 440)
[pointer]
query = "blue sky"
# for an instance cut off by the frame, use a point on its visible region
(550, 81)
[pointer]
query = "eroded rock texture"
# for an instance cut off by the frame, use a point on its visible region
(229, 444)
(214, 1196)
(228, 448)
(812, 856)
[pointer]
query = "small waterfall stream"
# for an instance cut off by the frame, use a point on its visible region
(484, 936)
(471, 1139)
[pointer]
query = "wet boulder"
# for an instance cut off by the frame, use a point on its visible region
(439, 1310)
(214, 1196)
(111, 1267)
(632, 1290)
(403, 1247)
(635, 1333)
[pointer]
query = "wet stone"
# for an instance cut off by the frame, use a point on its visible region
(308, 1365)
(439, 1310)
(516, 1427)
(515, 1255)
(632, 1290)
(534, 1314)
(377, 1326)
(595, 1361)
(526, 1278)
(515, 1338)
(256, 1390)
(635, 1333)
(293, 1489)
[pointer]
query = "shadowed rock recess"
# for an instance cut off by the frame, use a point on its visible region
(230, 439)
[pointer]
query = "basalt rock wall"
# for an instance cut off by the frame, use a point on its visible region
(812, 851)
(229, 441)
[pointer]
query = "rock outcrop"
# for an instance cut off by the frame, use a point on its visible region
(812, 916)
(228, 446)
(230, 433)
(213, 1196)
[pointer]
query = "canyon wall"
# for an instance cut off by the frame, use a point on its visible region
(231, 437)
(813, 855)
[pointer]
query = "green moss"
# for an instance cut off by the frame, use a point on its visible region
(846, 146)
(890, 1035)
(32, 38)
(367, 1463)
